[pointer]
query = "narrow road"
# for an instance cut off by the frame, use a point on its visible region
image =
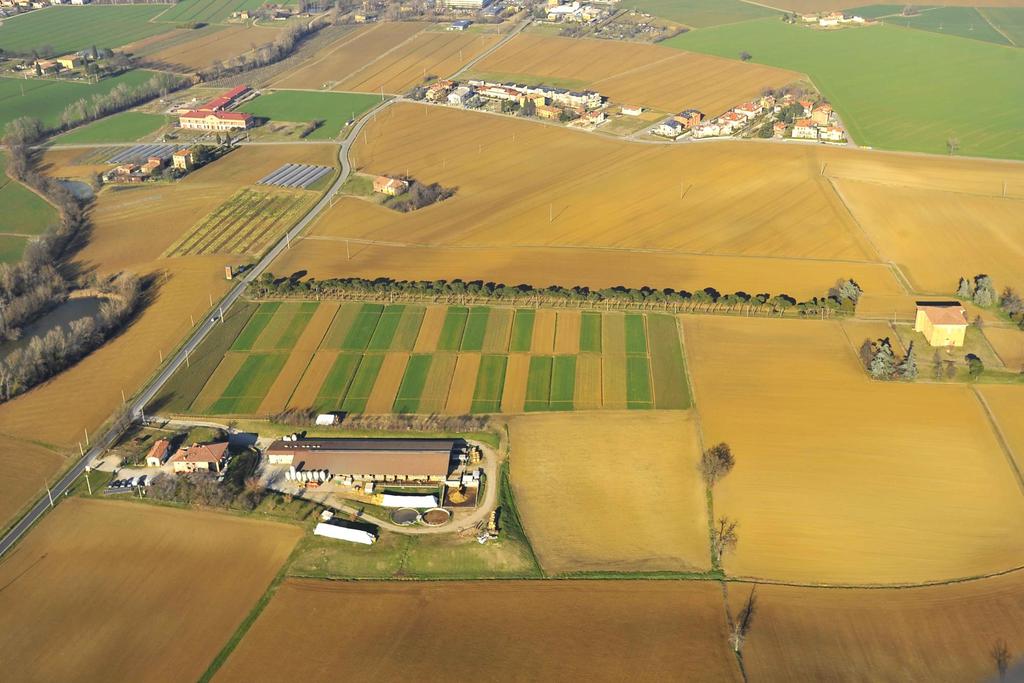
(139, 402)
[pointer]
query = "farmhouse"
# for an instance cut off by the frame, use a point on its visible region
(389, 186)
(631, 110)
(47, 66)
(199, 458)
(369, 459)
(943, 323)
(71, 61)
(158, 453)
(206, 119)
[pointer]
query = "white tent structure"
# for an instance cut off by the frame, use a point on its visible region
(344, 533)
(393, 501)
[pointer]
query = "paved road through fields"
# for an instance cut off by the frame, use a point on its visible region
(140, 401)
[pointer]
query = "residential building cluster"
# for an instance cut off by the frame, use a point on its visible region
(9, 8)
(544, 102)
(819, 122)
(574, 12)
(216, 116)
(831, 19)
(207, 457)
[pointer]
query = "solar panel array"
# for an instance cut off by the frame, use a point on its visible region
(294, 175)
(133, 155)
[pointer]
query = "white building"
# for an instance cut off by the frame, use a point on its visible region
(459, 96)
(344, 533)
(467, 4)
(707, 130)
(669, 128)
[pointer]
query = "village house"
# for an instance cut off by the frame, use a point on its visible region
(832, 133)
(206, 119)
(807, 105)
(438, 90)
(669, 128)
(822, 114)
(184, 159)
(200, 458)
(943, 323)
(804, 129)
(730, 121)
(778, 129)
(546, 111)
(459, 96)
(48, 66)
(390, 186)
(152, 165)
(708, 130)
(631, 110)
(689, 118)
(749, 110)
(158, 453)
(593, 117)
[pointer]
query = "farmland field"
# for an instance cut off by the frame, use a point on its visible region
(208, 11)
(630, 73)
(811, 433)
(246, 223)
(547, 630)
(703, 13)
(127, 126)
(966, 22)
(59, 621)
(574, 493)
(938, 633)
(894, 88)
(334, 109)
(348, 55)
(67, 29)
(1006, 404)
(365, 364)
(46, 99)
(199, 49)
(1009, 21)
(24, 215)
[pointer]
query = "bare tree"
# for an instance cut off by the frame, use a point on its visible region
(953, 145)
(1001, 656)
(723, 538)
(715, 463)
(741, 625)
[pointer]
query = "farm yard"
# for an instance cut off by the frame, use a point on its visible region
(894, 88)
(811, 432)
(586, 509)
(547, 630)
(58, 618)
(334, 109)
(628, 73)
(66, 29)
(246, 223)
(367, 357)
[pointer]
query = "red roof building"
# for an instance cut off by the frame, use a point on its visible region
(207, 119)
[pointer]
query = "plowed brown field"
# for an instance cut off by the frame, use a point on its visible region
(840, 479)
(578, 630)
(88, 588)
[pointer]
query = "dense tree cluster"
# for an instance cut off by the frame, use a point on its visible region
(420, 196)
(305, 417)
(881, 361)
(45, 356)
(842, 298)
(240, 488)
(980, 290)
(1013, 306)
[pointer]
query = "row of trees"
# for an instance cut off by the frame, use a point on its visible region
(420, 196)
(305, 417)
(881, 361)
(120, 98)
(45, 356)
(842, 298)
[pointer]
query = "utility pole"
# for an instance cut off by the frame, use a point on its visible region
(48, 494)
(87, 482)
(551, 213)
(86, 437)
(220, 308)
(348, 251)
(211, 299)
(187, 364)
(160, 351)
(193, 319)
(123, 401)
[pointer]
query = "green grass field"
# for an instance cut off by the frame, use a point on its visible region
(46, 99)
(965, 22)
(351, 355)
(127, 126)
(895, 88)
(876, 11)
(67, 29)
(522, 331)
(23, 214)
(299, 106)
(702, 13)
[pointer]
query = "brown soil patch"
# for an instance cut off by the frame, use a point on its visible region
(460, 397)
(382, 397)
(514, 393)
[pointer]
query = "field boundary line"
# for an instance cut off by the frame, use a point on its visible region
(379, 57)
(874, 586)
(1000, 437)
(853, 217)
(998, 30)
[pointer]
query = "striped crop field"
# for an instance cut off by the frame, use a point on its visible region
(364, 357)
(244, 224)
